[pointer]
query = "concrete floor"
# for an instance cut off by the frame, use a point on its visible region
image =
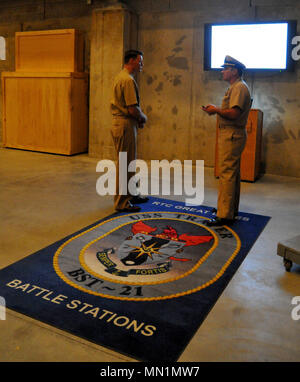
(47, 197)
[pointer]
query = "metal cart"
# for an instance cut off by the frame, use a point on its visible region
(290, 251)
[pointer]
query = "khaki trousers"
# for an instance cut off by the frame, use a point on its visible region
(231, 144)
(124, 136)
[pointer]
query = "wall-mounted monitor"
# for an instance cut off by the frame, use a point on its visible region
(258, 45)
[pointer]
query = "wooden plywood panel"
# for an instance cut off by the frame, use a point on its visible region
(37, 113)
(251, 156)
(250, 160)
(79, 115)
(49, 51)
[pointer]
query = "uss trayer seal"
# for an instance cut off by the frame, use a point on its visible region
(146, 256)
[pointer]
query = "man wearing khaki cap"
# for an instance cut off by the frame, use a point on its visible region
(232, 119)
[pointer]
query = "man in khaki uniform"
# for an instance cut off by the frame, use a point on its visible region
(127, 117)
(232, 120)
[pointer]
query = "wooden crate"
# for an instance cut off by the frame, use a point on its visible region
(45, 111)
(49, 51)
(251, 156)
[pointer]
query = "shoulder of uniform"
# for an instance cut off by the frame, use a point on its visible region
(241, 85)
(126, 76)
(123, 77)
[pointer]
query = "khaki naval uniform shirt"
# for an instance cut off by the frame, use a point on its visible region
(237, 94)
(124, 130)
(125, 93)
(232, 140)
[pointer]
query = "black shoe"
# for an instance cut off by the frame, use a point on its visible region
(129, 208)
(214, 211)
(218, 222)
(139, 199)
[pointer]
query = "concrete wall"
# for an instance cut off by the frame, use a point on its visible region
(173, 85)
(108, 46)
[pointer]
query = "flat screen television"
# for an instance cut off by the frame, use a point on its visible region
(258, 45)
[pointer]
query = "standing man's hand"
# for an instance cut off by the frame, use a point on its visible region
(230, 114)
(143, 119)
(136, 113)
(210, 109)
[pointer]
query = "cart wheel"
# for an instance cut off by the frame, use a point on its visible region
(288, 264)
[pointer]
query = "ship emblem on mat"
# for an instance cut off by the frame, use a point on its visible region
(147, 246)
